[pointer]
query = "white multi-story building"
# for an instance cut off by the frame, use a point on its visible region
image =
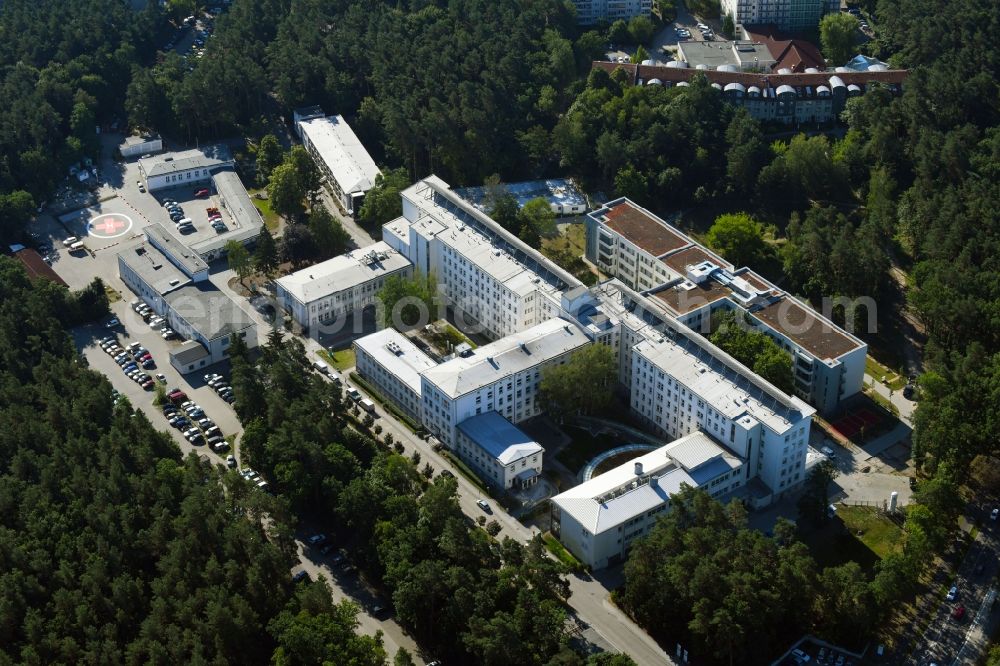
(499, 451)
(679, 387)
(591, 12)
(173, 280)
(690, 283)
(494, 283)
(600, 519)
(390, 361)
(502, 376)
(340, 156)
(790, 15)
(188, 168)
(339, 287)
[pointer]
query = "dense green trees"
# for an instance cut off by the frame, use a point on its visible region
(406, 301)
(754, 349)
(463, 596)
(701, 577)
(328, 234)
(838, 34)
(115, 549)
(582, 385)
(382, 203)
(740, 239)
(269, 155)
(653, 144)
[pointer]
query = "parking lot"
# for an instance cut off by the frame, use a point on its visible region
(818, 652)
(133, 329)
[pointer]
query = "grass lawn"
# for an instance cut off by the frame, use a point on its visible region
(566, 250)
(574, 240)
(858, 533)
(895, 381)
(882, 401)
(341, 359)
(561, 553)
(584, 447)
(264, 206)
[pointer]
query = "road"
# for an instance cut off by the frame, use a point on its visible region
(359, 236)
(86, 339)
(589, 600)
(950, 641)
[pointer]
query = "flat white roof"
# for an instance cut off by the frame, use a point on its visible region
(721, 387)
(506, 356)
(342, 152)
(493, 261)
(612, 498)
(397, 354)
(499, 438)
(343, 272)
(197, 158)
(433, 198)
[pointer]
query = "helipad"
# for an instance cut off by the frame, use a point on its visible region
(109, 225)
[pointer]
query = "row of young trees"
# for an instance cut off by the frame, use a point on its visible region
(114, 548)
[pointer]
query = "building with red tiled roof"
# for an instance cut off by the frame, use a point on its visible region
(36, 266)
(795, 55)
(690, 283)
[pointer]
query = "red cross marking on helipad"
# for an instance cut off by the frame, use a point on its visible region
(110, 225)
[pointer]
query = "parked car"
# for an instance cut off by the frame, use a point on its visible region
(112, 323)
(231, 462)
(162, 378)
(484, 505)
(201, 193)
(994, 513)
(316, 540)
(952, 593)
(69, 241)
(958, 612)
(300, 576)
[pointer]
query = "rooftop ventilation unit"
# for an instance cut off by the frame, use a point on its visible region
(394, 348)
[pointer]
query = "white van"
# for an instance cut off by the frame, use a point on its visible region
(76, 247)
(184, 222)
(367, 405)
(321, 367)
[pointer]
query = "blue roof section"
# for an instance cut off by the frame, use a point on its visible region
(498, 437)
(709, 471)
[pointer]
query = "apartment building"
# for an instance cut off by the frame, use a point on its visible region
(392, 363)
(592, 12)
(347, 167)
(679, 387)
(600, 519)
(791, 15)
(499, 451)
(340, 287)
(502, 376)
(495, 284)
(690, 283)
